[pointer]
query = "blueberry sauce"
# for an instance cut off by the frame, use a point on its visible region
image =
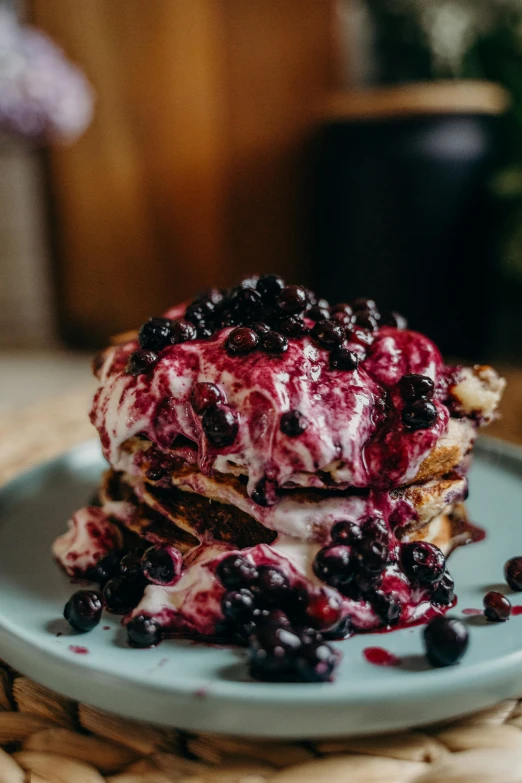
(378, 656)
(76, 648)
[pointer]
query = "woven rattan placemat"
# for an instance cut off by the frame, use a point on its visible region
(49, 739)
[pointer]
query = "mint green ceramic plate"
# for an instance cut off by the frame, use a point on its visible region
(194, 686)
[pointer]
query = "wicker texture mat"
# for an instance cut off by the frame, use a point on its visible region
(49, 739)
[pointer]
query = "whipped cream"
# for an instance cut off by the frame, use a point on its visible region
(90, 536)
(353, 417)
(193, 604)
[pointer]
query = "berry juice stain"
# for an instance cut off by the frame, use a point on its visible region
(516, 610)
(76, 648)
(472, 612)
(378, 656)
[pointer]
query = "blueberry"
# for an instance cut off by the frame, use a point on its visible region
(83, 610)
(340, 631)
(293, 423)
(376, 528)
(446, 640)
(328, 334)
(235, 571)
(323, 303)
(143, 631)
(316, 313)
(414, 387)
(334, 565)
(228, 318)
(105, 568)
(265, 492)
(272, 653)
(373, 555)
(423, 561)
(141, 362)
(345, 532)
(155, 334)
(250, 281)
(323, 611)
(361, 303)
(220, 426)
(182, 331)
(293, 326)
(386, 607)
(272, 618)
(131, 563)
(513, 573)
(270, 636)
(444, 592)
(344, 308)
(271, 586)
(260, 327)
(270, 286)
(201, 310)
(238, 605)
(343, 359)
(313, 299)
(241, 340)
(292, 299)
(162, 565)
(316, 662)
(367, 319)
(204, 331)
(419, 415)
(296, 601)
(247, 303)
(497, 608)
(343, 319)
(122, 593)
(204, 396)
(274, 343)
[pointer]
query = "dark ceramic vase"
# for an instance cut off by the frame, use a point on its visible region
(404, 215)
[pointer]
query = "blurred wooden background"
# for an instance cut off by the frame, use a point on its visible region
(194, 169)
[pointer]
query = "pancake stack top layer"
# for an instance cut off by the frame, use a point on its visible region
(264, 409)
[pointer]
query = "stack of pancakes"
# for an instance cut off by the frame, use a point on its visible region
(187, 508)
(263, 436)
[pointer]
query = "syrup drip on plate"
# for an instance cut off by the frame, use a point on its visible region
(378, 656)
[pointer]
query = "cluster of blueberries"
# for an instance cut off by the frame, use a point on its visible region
(357, 556)
(287, 627)
(123, 577)
(283, 625)
(266, 313)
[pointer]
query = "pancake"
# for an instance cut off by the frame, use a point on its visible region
(186, 519)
